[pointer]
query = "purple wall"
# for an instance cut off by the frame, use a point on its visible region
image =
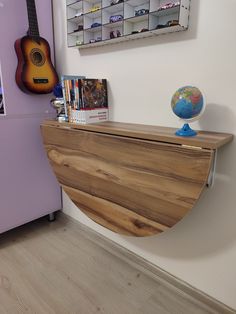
(14, 25)
(28, 188)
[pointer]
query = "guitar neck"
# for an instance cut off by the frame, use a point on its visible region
(32, 17)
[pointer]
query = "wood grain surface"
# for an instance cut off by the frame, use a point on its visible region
(131, 186)
(204, 139)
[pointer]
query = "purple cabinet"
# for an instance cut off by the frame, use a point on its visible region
(28, 187)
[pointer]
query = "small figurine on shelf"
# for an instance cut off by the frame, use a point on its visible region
(58, 102)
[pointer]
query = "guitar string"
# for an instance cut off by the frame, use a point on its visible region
(32, 17)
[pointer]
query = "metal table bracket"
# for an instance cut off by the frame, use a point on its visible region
(211, 177)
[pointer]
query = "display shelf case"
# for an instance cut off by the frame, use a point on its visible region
(156, 17)
(76, 5)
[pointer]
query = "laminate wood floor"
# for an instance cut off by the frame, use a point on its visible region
(53, 268)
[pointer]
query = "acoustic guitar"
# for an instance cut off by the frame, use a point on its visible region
(35, 72)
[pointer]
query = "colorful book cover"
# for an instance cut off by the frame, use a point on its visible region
(94, 93)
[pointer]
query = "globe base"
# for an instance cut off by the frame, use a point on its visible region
(186, 131)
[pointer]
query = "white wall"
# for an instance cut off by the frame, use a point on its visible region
(143, 75)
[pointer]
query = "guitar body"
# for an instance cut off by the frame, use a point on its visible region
(35, 72)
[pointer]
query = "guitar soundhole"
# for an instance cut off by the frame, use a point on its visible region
(37, 57)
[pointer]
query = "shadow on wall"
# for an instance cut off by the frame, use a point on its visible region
(210, 226)
(190, 34)
(217, 118)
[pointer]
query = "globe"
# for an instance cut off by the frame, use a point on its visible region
(188, 104)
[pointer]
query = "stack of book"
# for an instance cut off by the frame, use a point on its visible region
(85, 99)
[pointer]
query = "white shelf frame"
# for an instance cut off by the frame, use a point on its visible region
(128, 26)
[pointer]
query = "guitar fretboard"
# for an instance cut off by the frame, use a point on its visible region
(32, 17)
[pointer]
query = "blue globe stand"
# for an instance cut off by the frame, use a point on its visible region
(186, 131)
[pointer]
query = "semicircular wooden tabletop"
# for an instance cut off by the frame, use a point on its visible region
(129, 185)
